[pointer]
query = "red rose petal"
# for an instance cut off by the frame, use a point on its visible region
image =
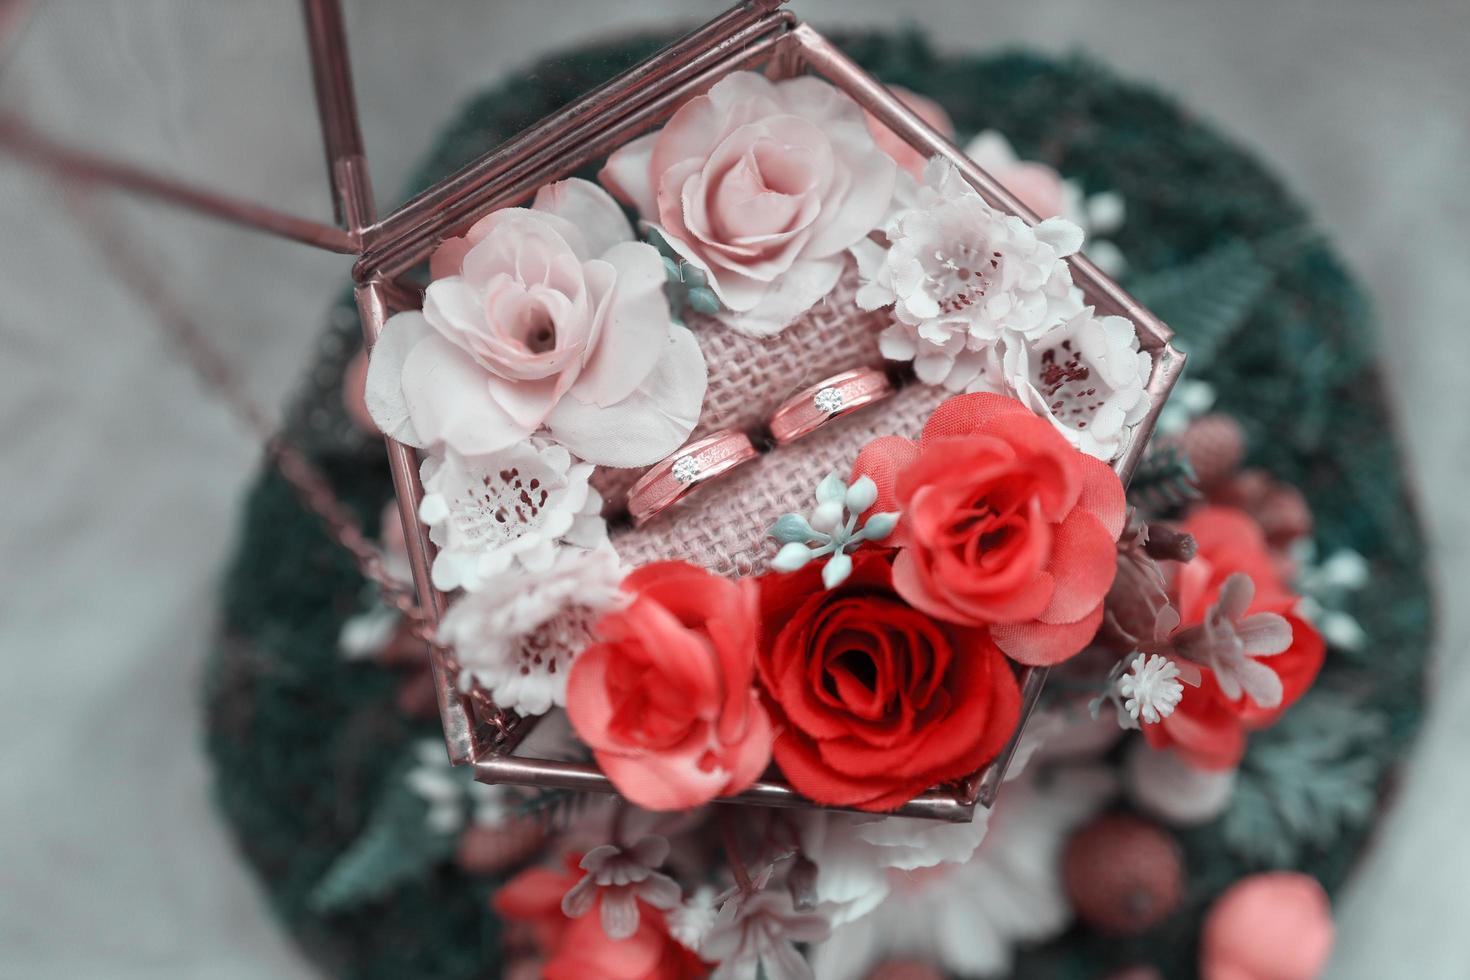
(1044, 644)
(1103, 495)
(881, 461)
(964, 414)
(1084, 560)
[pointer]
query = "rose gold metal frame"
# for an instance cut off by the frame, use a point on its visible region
(750, 34)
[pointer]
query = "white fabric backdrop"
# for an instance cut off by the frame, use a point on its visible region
(122, 482)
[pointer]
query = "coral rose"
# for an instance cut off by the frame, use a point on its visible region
(548, 317)
(1004, 525)
(665, 699)
(875, 700)
(762, 185)
(1208, 728)
(578, 948)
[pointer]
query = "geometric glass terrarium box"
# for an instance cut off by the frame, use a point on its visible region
(750, 38)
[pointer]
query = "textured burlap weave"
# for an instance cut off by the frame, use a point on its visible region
(750, 377)
(722, 526)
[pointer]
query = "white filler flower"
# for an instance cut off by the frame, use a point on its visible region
(961, 274)
(517, 505)
(517, 636)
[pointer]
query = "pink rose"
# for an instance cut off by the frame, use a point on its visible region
(1038, 186)
(543, 318)
(763, 185)
(666, 699)
(894, 145)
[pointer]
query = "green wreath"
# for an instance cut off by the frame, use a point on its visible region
(306, 743)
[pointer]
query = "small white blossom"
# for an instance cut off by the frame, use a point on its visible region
(1047, 192)
(622, 877)
(453, 795)
(517, 635)
(1325, 587)
(514, 507)
(1151, 688)
(439, 785)
(1087, 376)
(961, 274)
(832, 529)
(693, 919)
(1189, 400)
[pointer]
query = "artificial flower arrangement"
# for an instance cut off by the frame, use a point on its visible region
(877, 645)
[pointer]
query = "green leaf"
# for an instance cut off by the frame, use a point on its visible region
(1306, 781)
(1206, 301)
(554, 807)
(397, 845)
(1163, 482)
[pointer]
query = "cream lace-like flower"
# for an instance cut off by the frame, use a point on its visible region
(518, 634)
(960, 275)
(1086, 375)
(1151, 688)
(489, 512)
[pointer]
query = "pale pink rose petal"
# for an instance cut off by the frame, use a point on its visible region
(527, 403)
(383, 390)
(589, 207)
(513, 232)
(447, 259)
(1038, 186)
(630, 278)
(627, 173)
(792, 294)
(648, 424)
(859, 208)
(450, 402)
(758, 184)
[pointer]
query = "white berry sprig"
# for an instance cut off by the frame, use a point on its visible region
(832, 530)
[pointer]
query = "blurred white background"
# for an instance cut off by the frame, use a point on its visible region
(122, 481)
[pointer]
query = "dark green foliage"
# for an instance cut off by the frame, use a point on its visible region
(303, 740)
(1306, 781)
(1208, 300)
(1163, 482)
(553, 807)
(396, 846)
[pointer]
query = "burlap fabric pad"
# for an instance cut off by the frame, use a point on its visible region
(722, 525)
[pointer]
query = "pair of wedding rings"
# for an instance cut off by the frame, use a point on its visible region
(707, 459)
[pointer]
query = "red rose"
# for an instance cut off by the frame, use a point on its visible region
(1005, 524)
(1207, 728)
(578, 948)
(666, 699)
(876, 701)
